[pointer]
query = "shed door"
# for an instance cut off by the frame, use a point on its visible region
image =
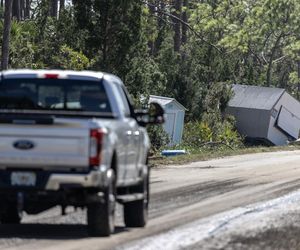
(169, 124)
(289, 122)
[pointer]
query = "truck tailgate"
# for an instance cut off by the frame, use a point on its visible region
(61, 145)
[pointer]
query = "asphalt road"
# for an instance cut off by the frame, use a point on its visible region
(241, 202)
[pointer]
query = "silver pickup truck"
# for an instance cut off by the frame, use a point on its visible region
(72, 138)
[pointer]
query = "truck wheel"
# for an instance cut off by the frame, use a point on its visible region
(11, 216)
(136, 212)
(101, 216)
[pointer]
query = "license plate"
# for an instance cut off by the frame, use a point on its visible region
(23, 178)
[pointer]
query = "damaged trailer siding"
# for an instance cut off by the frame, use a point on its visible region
(265, 114)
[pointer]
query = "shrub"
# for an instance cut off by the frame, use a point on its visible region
(200, 133)
(158, 137)
(228, 135)
(196, 133)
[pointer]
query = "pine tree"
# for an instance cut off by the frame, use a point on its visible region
(6, 34)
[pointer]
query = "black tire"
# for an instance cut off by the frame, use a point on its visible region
(11, 215)
(136, 212)
(101, 216)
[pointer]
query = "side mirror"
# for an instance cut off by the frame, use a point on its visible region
(156, 113)
(153, 115)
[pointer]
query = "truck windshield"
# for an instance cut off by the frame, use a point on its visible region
(53, 95)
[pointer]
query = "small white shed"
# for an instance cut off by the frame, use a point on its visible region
(174, 115)
(265, 114)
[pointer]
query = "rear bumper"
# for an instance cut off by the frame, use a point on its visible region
(93, 179)
(52, 189)
(55, 181)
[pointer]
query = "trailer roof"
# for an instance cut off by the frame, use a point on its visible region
(163, 101)
(255, 97)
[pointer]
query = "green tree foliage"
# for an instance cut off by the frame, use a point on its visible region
(187, 49)
(260, 37)
(23, 48)
(70, 59)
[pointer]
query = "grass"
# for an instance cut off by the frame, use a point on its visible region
(207, 154)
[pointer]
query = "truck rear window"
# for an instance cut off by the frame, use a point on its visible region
(53, 94)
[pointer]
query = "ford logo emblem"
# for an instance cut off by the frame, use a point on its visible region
(24, 145)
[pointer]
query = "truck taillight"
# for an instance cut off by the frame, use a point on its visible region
(96, 140)
(51, 76)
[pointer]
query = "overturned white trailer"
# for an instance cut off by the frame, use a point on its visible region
(265, 114)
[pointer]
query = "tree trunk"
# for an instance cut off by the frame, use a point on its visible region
(151, 44)
(6, 34)
(27, 9)
(54, 8)
(105, 27)
(184, 19)
(61, 5)
(177, 25)
(160, 25)
(270, 64)
(16, 9)
(298, 79)
(22, 9)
